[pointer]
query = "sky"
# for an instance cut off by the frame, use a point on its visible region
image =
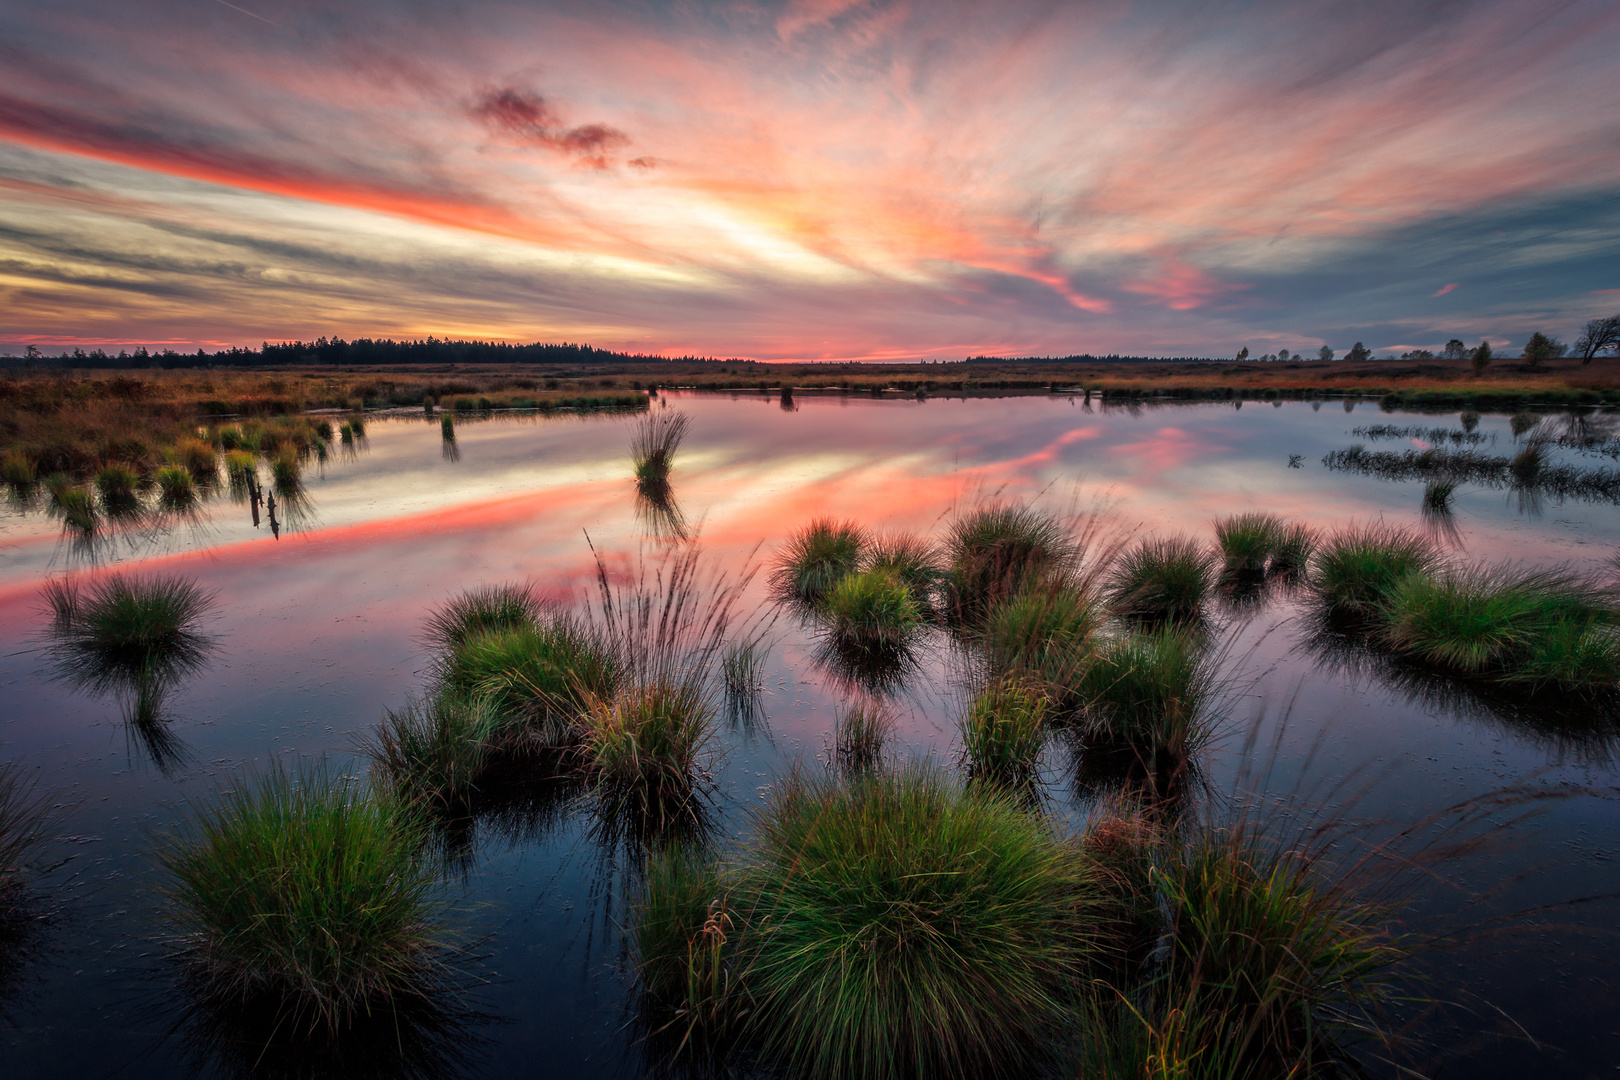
(809, 179)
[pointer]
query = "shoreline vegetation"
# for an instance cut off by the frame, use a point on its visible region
(74, 421)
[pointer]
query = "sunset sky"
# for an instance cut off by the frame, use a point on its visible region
(817, 179)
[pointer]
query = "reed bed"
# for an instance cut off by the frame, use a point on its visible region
(306, 890)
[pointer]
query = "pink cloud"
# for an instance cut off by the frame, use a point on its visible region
(1447, 288)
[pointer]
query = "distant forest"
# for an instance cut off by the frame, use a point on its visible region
(385, 352)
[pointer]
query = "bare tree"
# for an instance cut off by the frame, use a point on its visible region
(1600, 335)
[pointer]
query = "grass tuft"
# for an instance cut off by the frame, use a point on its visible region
(1355, 570)
(432, 752)
(912, 560)
(1042, 636)
(538, 679)
(175, 487)
(685, 940)
(648, 741)
(818, 557)
(1163, 579)
(998, 550)
(657, 437)
(872, 612)
(1149, 692)
(899, 926)
(506, 606)
(123, 632)
(1248, 540)
(1003, 733)
(308, 890)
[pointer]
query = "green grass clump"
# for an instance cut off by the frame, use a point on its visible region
(859, 733)
(1162, 579)
(911, 559)
(1292, 549)
(648, 740)
(1003, 733)
(175, 488)
(239, 465)
(506, 606)
(900, 926)
(346, 434)
(1247, 540)
(1437, 494)
(998, 550)
(123, 632)
(872, 611)
(818, 557)
(652, 448)
(119, 486)
(308, 890)
(1541, 625)
(538, 679)
(1149, 691)
(75, 506)
(432, 752)
(17, 471)
(447, 427)
(1042, 636)
(197, 458)
(1355, 570)
(685, 941)
(286, 472)
(1270, 956)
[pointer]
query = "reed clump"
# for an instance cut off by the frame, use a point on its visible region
(119, 486)
(128, 632)
(433, 751)
(686, 939)
(176, 489)
(899, 926)
(997, 550)
(818, 557)
(872, 612)
(1003, 733)
(1163, 579)
(1355, 570)
(309, 891)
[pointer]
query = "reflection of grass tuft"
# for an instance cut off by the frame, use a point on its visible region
(859, 731)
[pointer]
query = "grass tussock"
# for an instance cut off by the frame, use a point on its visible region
(996, 551)
(1042, 636)
(901, 926)
(685, 940)
(433, 751)
(649, 741)
(818, 557)
(486, 608)
(1163, 579)
(126, 632)
(539, 679)
(1149, 692)
(307, 890)
(909, 558)
(872, 611)
(657, 437)
(1355, 570)
(176, 490)
(1003, 733)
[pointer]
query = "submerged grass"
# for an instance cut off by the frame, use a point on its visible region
(309, 891)
(818, 557)
(1163, 579)
(26, 814)
(900, 926)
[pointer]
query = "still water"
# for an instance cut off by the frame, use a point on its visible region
(317, 632)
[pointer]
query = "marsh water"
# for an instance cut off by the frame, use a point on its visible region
(317, 627)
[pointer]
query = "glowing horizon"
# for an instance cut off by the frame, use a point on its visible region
(816, 179)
